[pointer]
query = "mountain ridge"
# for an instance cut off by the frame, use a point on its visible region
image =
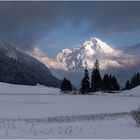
(19, 68)
(90, 50)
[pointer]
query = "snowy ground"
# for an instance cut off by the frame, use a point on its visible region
(40, 112)
(6, 88)
(121, 126)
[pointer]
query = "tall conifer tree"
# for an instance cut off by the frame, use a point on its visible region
(96, 80)
(85, 83)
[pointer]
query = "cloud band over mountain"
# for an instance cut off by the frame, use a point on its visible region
(85, 56)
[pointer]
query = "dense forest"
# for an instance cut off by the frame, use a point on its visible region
(24, 69)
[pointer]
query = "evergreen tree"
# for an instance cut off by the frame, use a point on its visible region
(66, 85)
(127, 85)
(85, 83)
(69, 85)
(135, 81)
(115, 83)
(96, 80)
(105, 84)
(110, 83)
(138, 78)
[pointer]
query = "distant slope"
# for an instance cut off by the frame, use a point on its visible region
(19, 68)
(6, 88)
(132, 92)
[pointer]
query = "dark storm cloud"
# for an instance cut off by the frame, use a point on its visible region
(106, 15)
(30, 19)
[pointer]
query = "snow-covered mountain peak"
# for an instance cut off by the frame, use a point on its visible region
(86, 54)
(97, 45)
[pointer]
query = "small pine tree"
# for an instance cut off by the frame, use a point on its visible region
(135, 81)
(127, 85)
(66, 85)
(96, 80)
(85, 83)
(69, 85)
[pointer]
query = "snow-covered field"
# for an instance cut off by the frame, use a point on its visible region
(6, 88)
(41, 112)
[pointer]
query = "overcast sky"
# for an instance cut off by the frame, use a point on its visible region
(52, 26)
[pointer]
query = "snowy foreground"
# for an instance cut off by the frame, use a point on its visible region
(41, 112)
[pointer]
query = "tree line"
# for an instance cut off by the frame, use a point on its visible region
(94, 83)
(133, 82)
